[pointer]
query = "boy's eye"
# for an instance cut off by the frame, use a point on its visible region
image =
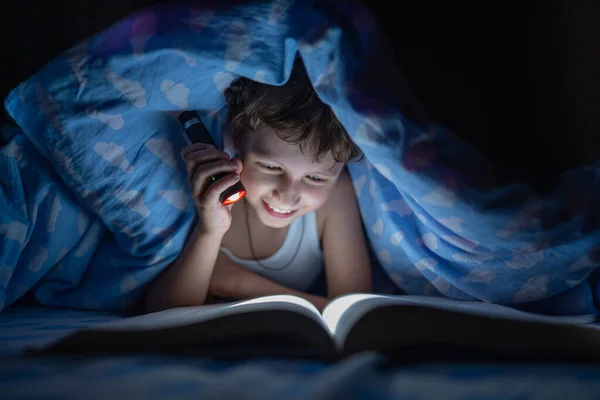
(315, 178)
(269, 167)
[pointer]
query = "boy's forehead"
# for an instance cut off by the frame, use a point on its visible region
(264, 140)
(266, 143)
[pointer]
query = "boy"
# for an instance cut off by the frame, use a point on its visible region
(300, 214)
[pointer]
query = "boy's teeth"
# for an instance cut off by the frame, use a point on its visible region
(279, 210)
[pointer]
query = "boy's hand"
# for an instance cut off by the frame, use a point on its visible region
(204, 161)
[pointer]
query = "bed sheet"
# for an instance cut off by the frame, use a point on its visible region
(25, 326)
(365, 375)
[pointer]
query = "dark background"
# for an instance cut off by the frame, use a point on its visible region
(519, 80)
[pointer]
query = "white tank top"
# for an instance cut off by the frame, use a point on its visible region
(298, 262)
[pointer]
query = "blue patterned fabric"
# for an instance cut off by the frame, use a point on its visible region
(94, 201)
(23, 327)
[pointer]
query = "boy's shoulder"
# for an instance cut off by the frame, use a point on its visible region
(342, 195)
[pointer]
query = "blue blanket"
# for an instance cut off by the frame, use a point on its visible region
(94, 201)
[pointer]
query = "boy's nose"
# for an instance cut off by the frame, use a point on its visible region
(287, 195)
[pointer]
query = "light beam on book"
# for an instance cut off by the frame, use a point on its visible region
(333, 313)
(283, 298)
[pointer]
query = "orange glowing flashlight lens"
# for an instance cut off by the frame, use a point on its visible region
(237, 196)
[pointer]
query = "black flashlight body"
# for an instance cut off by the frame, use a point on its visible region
(194, 131)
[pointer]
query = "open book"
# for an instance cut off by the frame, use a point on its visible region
(404, 327)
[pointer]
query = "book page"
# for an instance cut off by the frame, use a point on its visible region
(342, 313)
(195, 314)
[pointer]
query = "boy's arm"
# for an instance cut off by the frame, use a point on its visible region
(347, 266)
(232, 281)
(185, 282)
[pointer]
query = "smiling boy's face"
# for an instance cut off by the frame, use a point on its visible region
(282, 183)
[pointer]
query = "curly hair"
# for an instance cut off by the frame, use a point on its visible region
(294, 111)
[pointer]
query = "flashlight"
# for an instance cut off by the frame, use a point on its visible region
(194, 131)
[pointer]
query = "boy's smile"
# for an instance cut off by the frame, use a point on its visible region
(282, 182)
(278, 212)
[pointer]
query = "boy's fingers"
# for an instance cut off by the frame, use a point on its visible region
(214, 191)
(192, 150)
(239, 165)
(194, 147)
(198, 157)
(202, 174)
